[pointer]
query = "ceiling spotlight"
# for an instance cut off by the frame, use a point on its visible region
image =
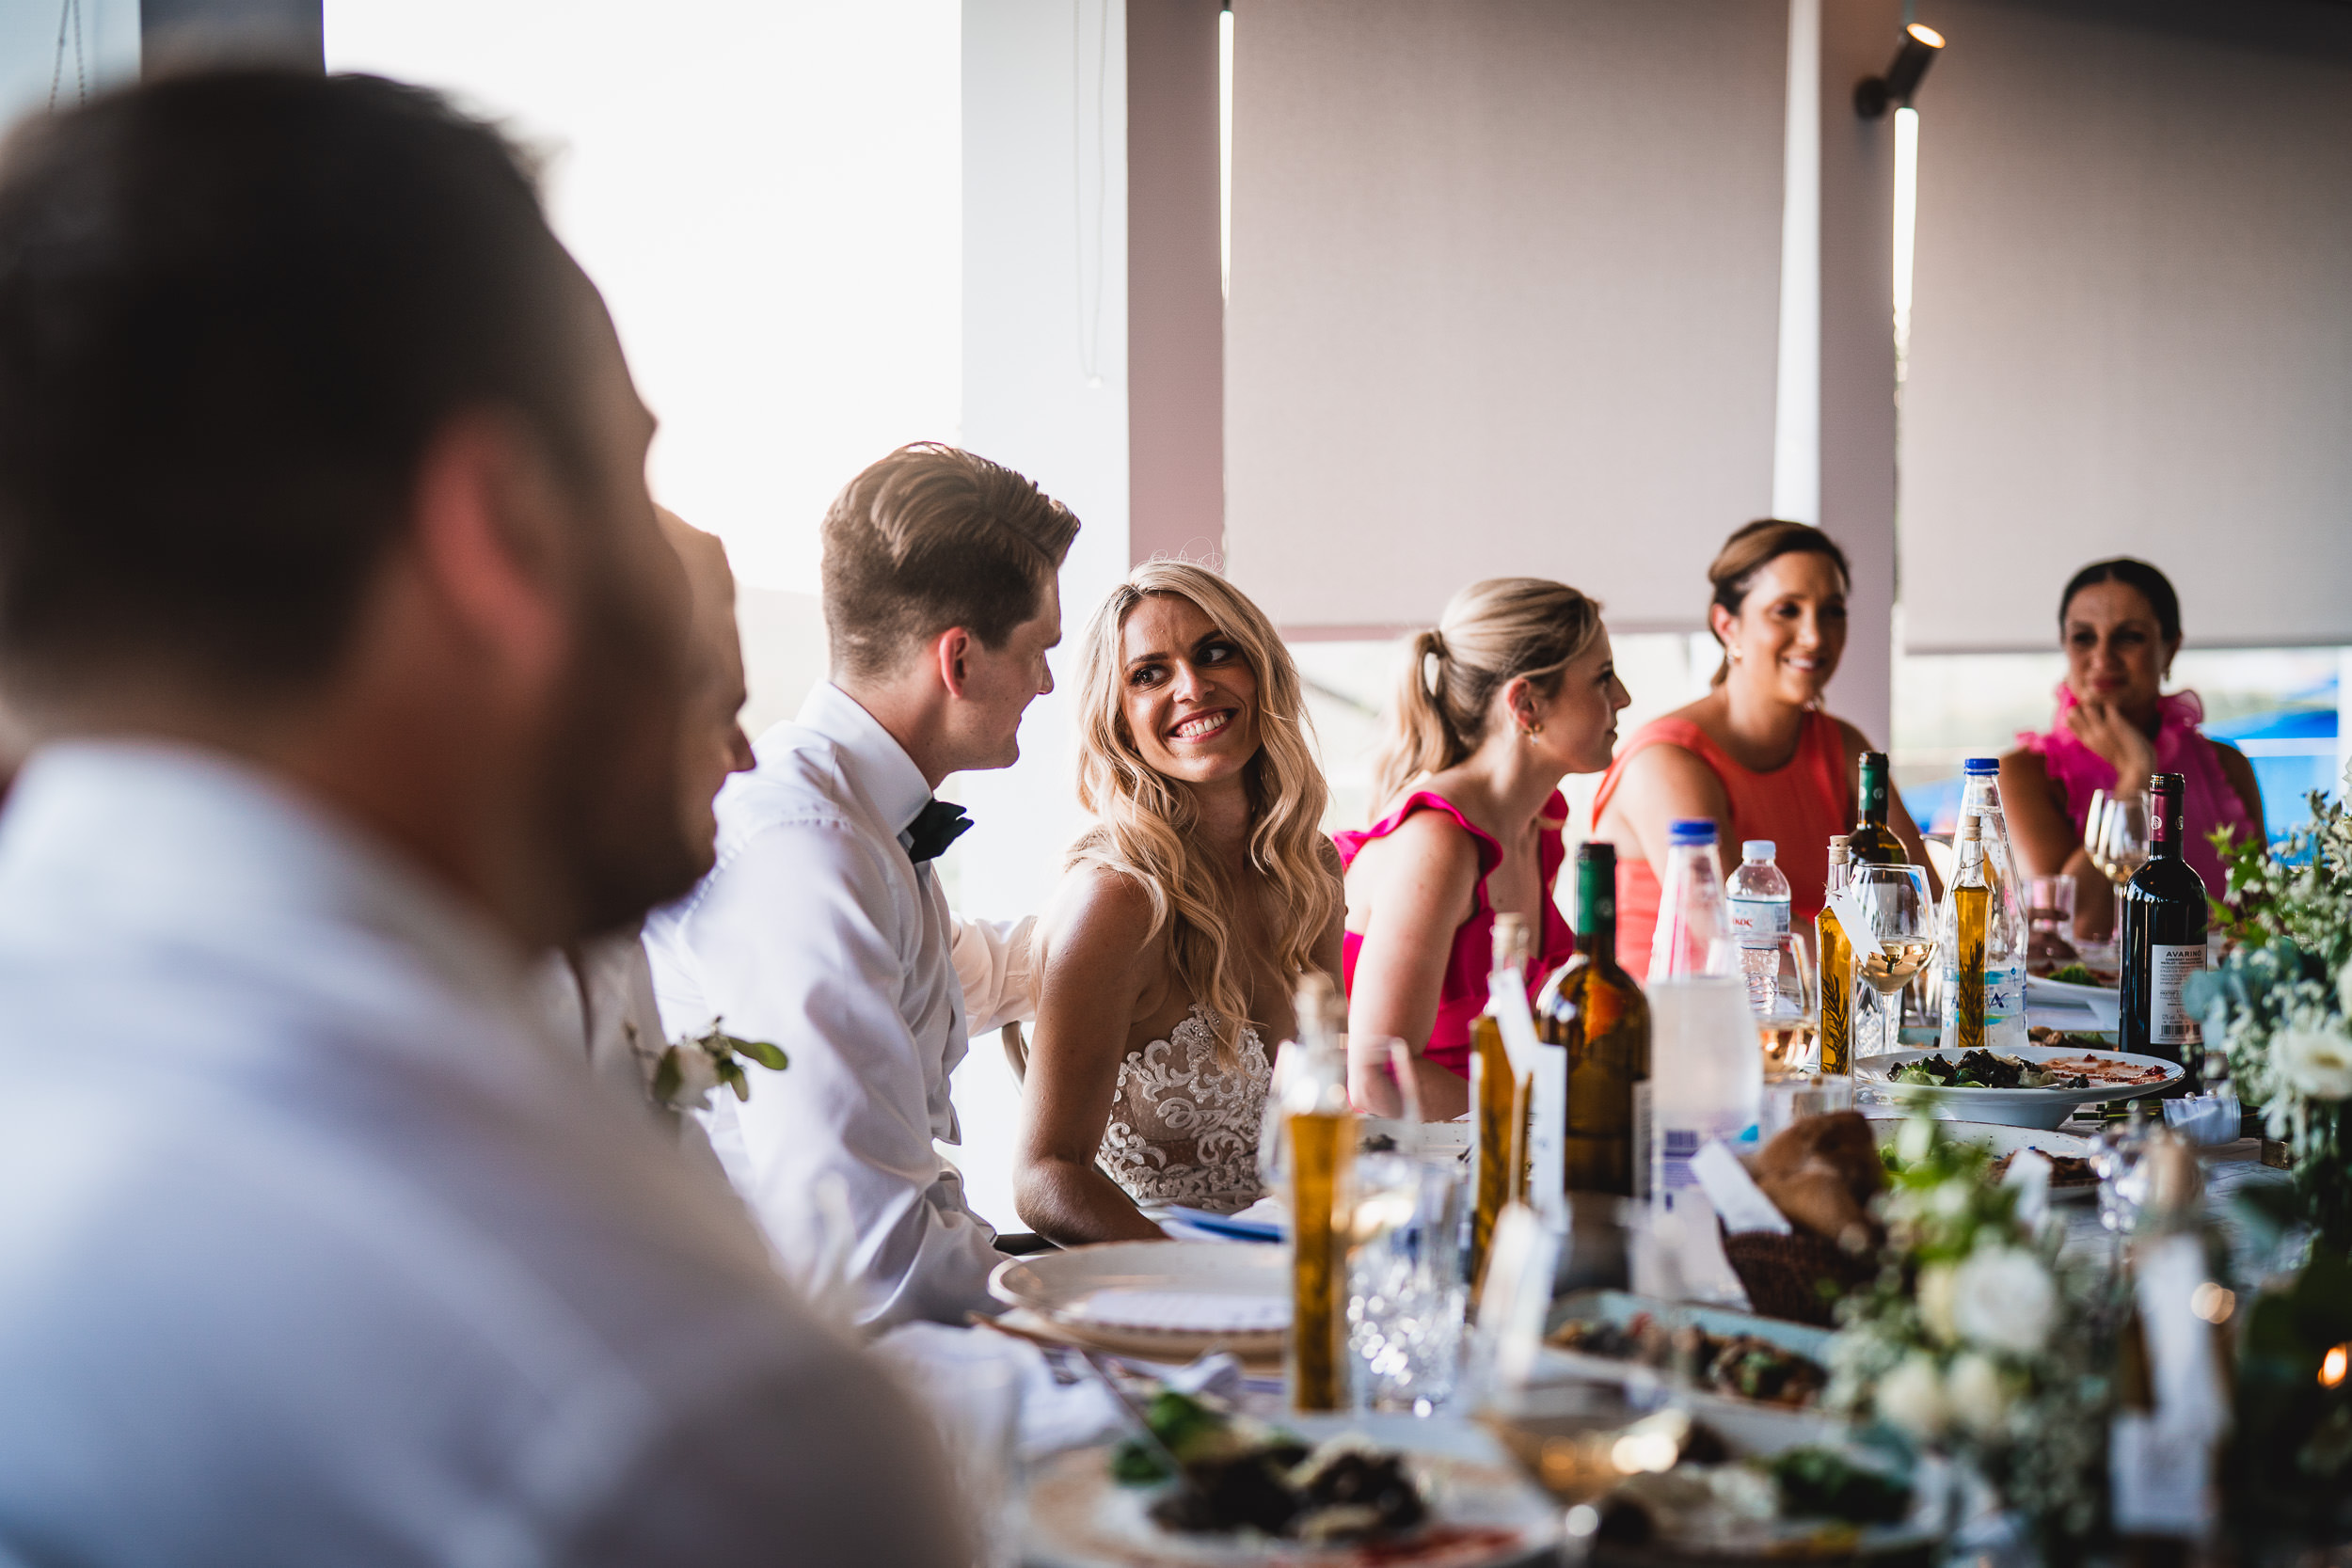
(1873, 94)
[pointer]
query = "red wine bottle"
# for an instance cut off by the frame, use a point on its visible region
(2162, 934)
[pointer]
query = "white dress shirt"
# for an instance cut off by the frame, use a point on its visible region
(598, 993)
(317, 1248)
(817, 932)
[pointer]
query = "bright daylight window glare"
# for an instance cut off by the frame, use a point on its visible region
(768, 192)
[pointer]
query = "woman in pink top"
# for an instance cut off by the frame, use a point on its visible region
(1757, 753)
(1515, 689)
(2121, 624)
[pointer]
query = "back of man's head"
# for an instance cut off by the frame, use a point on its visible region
(932, 538)
(234, 310)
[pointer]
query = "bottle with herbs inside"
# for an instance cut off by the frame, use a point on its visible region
(1837, 966)
(1322, 1136)
(1591, 1010)
(2161, 934)
(1499, 1103)
(1872, 841)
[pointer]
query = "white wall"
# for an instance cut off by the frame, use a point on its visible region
(1045, 392)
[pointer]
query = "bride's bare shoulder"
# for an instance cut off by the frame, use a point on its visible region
(1099, 915)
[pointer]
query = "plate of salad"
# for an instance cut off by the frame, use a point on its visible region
(2033, 1086)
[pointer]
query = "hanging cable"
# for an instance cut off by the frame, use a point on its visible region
(71, 14)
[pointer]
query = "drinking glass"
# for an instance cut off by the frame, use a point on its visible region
(2124, 833)
(1902, 939)
(2094, 830)
(1777, 973)
(1405, 1292)
(2051, 908)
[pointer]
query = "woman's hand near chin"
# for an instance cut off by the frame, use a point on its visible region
(2119, 741)
(1100, 961)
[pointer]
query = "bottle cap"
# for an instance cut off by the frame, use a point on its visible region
(1691, 830)
(1978, 768)
(1968, 828)
(1599, 852)
(1758, 850)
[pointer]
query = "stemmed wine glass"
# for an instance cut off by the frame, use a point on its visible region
(1902, 939)
(2094, 830)
(2124, 836)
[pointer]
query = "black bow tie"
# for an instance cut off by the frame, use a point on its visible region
(934, 828)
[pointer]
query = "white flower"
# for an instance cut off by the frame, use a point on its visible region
(2344, 991)
(1912, 1397)
(1935, 1287)
(2316, 1062)
(1979, 1399)
(2004, 1299)
(1952, 1199)
(697, 1075)
(1916, 1140)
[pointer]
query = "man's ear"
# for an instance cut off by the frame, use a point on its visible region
(949, 651)
(485, 521)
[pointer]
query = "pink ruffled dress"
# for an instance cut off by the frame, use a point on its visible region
(1462, 996)
(2211, 802)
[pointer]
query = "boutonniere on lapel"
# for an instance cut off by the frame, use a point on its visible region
(693, 1067)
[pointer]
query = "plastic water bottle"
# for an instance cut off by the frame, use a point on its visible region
(1757, 894)
(1691, 923)
(2005, 925)
(1706, 1079)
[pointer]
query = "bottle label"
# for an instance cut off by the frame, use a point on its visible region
(2168, 969)
(1758, 917)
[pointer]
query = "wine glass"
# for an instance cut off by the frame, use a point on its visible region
(2094, 830)
(1901, 938)
(2125, 832)
(1777, 973)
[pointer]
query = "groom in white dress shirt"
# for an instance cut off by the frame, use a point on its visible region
(331, 590)
(823, 928)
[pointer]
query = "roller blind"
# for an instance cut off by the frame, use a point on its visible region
(2132, 320)
(1505, 299)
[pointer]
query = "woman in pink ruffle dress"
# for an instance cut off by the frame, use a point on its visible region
(2120, 622)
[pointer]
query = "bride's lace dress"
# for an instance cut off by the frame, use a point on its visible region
(1185, 1129)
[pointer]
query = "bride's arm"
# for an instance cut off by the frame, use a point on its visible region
(1099, 962)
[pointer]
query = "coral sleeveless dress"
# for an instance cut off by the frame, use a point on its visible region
(1463, 994)
(1800, 806)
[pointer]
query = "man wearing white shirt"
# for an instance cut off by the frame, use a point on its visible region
(823, 929)
(331, 591)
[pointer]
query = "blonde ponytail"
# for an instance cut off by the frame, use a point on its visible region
(1492, 633)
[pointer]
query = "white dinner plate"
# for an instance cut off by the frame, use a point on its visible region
(1484, 1513)
(1885, 1127)
(1168, 1300)
(2041, 1108)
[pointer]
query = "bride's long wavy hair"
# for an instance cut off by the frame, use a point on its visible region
(1145, 822)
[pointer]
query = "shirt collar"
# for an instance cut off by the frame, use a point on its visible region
(160, 835)
(877, 764)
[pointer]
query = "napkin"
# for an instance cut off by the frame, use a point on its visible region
(1740, 1203)
(2029, 1173)
(2205, 1118)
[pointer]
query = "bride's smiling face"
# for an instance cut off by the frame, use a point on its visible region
(1188, 692)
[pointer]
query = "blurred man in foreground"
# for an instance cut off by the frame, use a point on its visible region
(600, 990)
(330, 581)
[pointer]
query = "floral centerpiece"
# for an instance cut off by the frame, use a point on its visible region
(1977, 1342)
(2277, 1009)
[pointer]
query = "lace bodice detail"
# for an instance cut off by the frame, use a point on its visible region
(1185, 1129)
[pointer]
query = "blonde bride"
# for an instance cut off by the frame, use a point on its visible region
(1191, 908)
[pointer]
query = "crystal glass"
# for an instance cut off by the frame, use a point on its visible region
(2125, 837)
(2094, 830)
(1902, 939)
(1794, 1096)
(1777, 973)
(2117, 1157)
(2051, 908)
(1406, 1291)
